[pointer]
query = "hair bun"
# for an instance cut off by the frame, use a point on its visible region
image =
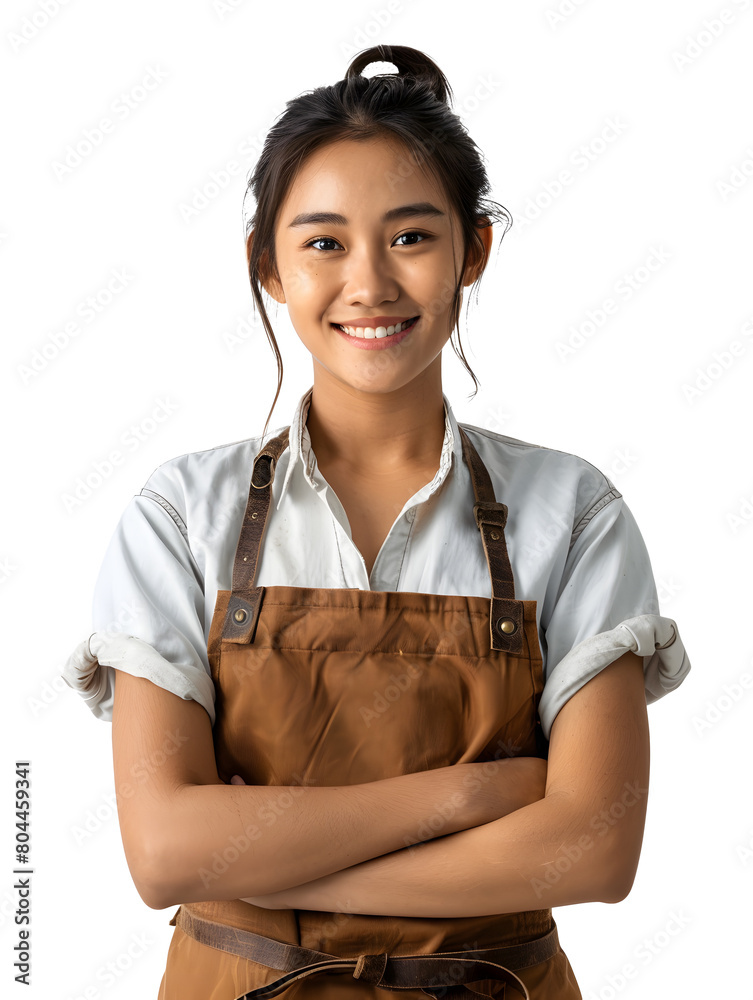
(410, 62)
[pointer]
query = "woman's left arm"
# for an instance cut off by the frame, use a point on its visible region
(580, 843)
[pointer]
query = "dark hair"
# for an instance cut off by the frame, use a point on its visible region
(412, 106)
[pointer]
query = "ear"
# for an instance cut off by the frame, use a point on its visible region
(269, 280)
(478, 258)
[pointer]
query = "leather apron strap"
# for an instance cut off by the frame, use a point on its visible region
(506, 613)
(438, 974)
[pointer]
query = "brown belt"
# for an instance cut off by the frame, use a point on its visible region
(438, 974)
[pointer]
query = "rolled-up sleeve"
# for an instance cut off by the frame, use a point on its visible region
(147, 612)
(606, 605)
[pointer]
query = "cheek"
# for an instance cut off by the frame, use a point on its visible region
(439, 297)
(309, 286)
(432, 283)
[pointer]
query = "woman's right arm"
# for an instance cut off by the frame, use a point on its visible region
(189, 837)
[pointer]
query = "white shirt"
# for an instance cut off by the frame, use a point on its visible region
(573, 545)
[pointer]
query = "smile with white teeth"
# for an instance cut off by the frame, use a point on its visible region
(375, 333)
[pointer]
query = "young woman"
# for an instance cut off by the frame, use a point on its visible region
(380, 703)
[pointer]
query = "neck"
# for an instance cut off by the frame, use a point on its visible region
(382, 433)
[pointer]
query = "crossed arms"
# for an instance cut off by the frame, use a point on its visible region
(516, 834)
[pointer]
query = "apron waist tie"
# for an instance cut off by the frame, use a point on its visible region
(438, 974)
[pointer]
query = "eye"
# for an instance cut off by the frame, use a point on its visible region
(421, 237)
(321, 239)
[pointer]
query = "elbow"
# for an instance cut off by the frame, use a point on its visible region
(155, 896)
(617, 876)
(617, 889)
(597, 872)
(160, 855)
(155, 884)
(618, 858)
(152, 870)
(615, 893)
(596, 862)
(157, 891)
(152, 882)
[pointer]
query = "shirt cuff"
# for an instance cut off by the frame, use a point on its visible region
(88, 671)
(656, 639)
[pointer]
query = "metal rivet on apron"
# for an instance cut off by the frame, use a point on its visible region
(254, 515)
(494, 535)
(240, 615)
(506, 625)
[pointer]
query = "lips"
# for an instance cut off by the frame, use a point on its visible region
(375, 342)
(379, 329)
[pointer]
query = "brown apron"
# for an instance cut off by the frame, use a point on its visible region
(318, 686)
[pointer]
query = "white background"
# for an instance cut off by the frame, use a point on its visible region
(533, 89)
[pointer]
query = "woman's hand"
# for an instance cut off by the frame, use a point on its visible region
(496, 788)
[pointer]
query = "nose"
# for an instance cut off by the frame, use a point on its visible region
(369, 279)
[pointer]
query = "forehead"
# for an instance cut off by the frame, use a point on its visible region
(360, 179)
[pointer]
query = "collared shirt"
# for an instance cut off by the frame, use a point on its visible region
(573, 544)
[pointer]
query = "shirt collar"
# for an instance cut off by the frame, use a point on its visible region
(302, 458)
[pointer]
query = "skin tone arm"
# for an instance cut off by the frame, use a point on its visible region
(581, 842)
(189, 837)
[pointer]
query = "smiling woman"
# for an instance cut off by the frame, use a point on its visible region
(408, 659)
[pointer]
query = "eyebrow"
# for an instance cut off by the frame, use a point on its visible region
(422, 208)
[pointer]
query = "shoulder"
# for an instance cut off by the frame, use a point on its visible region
(209, 480)
(523, 473)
